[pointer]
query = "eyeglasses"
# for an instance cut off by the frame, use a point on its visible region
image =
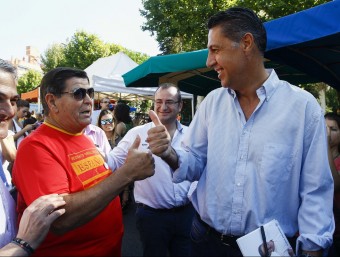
(105, 102)
(168, 103)
(80, 93)
(106, 122)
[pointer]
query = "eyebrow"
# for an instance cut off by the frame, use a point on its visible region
(5, 95)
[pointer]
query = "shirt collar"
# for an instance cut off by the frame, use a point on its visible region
(268, 88)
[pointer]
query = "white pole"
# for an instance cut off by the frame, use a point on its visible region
(39, 109)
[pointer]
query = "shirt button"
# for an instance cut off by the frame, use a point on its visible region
(238, 184)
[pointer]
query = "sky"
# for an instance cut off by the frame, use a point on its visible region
(41, 23)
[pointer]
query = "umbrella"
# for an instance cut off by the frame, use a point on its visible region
(189, 72)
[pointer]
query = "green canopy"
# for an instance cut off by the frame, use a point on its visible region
(188, 70)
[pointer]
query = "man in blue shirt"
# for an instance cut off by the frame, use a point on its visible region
(257, 147)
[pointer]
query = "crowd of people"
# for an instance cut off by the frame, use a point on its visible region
(257, 149)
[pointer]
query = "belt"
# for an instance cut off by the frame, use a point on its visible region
(228, 240)
(175, 209)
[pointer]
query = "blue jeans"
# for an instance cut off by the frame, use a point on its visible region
(205, 243)
(163, 232)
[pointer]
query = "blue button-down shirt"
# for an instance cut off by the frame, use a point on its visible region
(272, 166)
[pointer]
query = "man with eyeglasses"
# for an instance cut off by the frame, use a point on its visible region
(164, 213)
(104, 105)
(59, 158)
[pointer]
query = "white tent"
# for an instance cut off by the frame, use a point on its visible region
(106, 77)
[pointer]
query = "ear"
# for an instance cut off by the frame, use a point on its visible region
(51, 102)
(180, 106)
(248, 42)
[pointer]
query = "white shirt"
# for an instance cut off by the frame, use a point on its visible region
(157, 191)
(98, 137)
(17, 128)
(6, 163)
(7, 216)
(95, 116)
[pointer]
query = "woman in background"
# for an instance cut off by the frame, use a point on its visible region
(333, 137)
(106, 122)
(123, 120)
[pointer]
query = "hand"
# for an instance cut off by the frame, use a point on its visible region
(38, 217)
(141, 164)
(159, 138)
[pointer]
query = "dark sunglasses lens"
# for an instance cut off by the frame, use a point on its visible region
(90, 92)
(80, 93)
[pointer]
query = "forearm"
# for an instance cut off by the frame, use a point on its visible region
(95, 199)
(20, 133)
(172, 159)
(12, 250)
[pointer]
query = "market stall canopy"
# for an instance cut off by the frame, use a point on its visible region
(308, 41)
(298, 57)
(106, 77)
(31, 96)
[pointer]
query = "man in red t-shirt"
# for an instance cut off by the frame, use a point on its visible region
(59, 158)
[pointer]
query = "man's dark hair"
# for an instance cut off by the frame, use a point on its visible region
(168, 85)
(54, 82)
(238, 21)
(23, 103)
(9, 68)
(122, 113)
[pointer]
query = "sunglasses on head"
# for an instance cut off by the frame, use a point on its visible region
(107, 121)
(80, 93)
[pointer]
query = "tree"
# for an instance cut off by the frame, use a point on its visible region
(181, 25)
(269, 10)
(29, 81)
(82, 50)
(54, 57)
(332, 100)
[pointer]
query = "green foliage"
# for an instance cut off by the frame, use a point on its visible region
(29, 81)
(269, 10)
(332, 100)
(82, 50)
(54, 57)
(181, 25)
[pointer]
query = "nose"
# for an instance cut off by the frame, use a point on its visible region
(88, 99)
(210, 60)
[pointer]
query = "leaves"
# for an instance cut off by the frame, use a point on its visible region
(181, 25)
(29, 81)
(82, 50)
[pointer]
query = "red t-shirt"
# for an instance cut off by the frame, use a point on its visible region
(53, 161)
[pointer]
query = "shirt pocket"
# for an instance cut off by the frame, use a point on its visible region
(276, 163)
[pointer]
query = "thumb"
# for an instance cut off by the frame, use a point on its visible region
(153, 116)
(136, 143)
